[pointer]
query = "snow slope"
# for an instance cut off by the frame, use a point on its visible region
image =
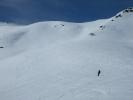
(60, 60)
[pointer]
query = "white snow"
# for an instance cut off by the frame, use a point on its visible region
(60, 60)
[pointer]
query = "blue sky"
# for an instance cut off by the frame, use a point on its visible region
(30, 11)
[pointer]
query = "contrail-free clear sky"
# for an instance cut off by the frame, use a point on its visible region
(30, 11)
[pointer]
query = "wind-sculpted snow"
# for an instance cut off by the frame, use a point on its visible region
(68, 61)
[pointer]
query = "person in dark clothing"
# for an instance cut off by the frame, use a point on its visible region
(99, 72)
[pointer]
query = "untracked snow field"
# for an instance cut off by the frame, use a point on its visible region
(57, 60)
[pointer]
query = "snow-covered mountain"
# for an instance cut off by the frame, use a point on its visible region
(60, 60)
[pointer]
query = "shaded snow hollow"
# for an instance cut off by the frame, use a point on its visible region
(60, 60)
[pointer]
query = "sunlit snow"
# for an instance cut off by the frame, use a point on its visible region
(60, 60)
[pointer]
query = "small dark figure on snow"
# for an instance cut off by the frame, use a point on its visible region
(99, 72)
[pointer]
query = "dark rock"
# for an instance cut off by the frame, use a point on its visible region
(92, 34)
(62, 25)
(112, 20)
(126, 11)
(101, 26)
(118, 16)
(131, 10)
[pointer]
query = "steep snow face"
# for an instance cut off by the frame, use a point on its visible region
(60, 60)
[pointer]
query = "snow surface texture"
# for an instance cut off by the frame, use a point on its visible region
(60, 60)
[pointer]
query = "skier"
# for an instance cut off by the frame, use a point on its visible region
(99, 72)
